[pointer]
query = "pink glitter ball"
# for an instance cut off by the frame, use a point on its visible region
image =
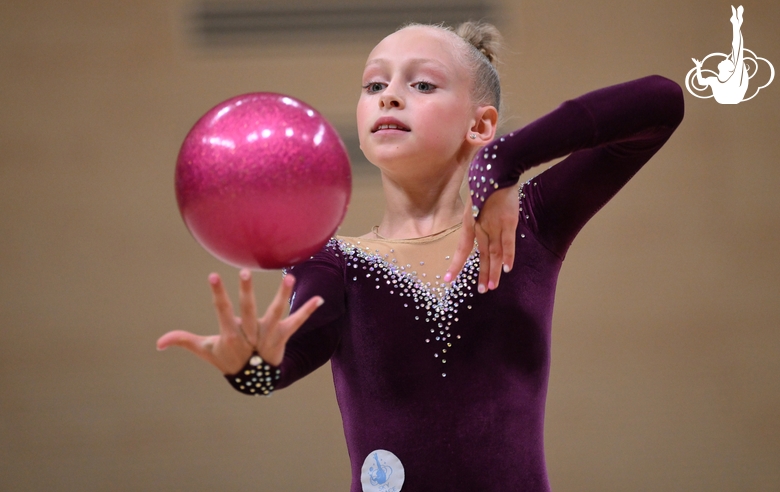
(262, 181)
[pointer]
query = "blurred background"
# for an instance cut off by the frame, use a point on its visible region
(666, 347)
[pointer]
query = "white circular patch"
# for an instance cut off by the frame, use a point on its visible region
(382, 472)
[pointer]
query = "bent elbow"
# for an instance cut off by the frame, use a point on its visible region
(669, 95)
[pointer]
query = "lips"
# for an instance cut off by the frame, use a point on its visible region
(392, 124)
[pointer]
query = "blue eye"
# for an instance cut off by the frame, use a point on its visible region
(373, 87)
(423, 86)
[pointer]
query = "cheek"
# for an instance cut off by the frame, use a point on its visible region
(450, 119)
(361, 114)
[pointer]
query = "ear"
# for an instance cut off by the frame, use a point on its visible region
(483, 126)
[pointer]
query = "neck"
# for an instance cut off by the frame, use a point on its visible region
(422, 204)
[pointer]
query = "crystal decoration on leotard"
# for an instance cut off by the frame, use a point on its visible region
(437, 303)
(483, 177)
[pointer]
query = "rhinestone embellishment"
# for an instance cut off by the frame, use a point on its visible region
(436, 304)
(256, 378)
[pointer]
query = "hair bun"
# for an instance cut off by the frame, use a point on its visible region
(483, 36)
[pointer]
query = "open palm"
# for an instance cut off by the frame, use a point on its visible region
(240, 336)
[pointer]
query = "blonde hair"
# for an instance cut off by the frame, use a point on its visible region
(480, 42)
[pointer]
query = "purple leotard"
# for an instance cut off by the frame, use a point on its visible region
(474, 422)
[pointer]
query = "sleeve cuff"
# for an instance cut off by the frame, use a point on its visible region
(256, 378)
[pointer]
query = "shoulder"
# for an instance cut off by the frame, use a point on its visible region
(323, 274)
(335, 257)
(330, 257)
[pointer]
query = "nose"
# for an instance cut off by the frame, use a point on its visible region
(390, 99)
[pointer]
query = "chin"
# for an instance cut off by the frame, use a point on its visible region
(388, 156)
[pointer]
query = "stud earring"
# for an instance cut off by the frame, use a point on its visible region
(473, 136)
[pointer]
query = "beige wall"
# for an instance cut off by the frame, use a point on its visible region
(666, 372)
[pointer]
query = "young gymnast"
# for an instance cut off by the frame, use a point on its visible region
(440, 351)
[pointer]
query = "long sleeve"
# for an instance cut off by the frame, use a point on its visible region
(610, 133)
(316, 340)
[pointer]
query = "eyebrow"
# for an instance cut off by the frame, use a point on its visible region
(413, 61)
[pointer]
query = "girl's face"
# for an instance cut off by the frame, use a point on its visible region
(415, 107)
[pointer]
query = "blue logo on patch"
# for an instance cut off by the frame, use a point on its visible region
(382, 472)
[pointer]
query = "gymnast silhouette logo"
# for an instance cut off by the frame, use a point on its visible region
(735, 70)
(382, 472)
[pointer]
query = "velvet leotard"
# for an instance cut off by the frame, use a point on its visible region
(452, 382)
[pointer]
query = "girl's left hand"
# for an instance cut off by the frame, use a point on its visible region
(495, 234)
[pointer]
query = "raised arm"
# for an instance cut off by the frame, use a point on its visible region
(610, 133)
(703, 81)
(643, 110)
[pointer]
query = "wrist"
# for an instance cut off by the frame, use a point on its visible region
(257, 377)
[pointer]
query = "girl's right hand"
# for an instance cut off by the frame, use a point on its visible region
(239, 336)
(494, 231)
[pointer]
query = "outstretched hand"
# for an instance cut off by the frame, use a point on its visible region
(239, 336)
(495, 234)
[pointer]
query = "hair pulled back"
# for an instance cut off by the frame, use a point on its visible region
(480, 43)
(484, 41)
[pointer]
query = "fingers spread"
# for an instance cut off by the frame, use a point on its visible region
(275, 331)
(278, 306)
(246, 298)
(222, 304)
(179, 338)
(198, 345)
(299, 317)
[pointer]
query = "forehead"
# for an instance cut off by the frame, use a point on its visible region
(421, 45)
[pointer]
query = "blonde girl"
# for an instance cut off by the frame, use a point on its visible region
(440, 347)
